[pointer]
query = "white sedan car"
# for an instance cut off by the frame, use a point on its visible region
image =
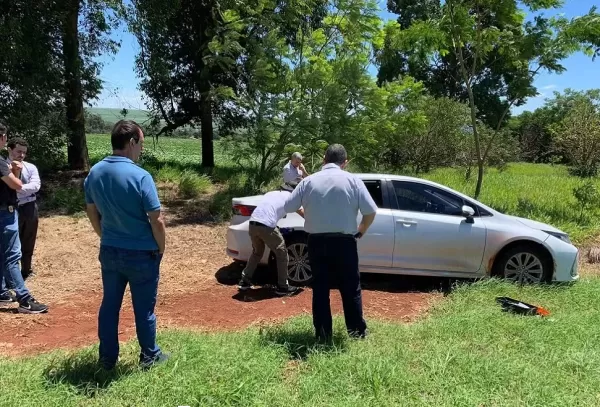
(423, 228)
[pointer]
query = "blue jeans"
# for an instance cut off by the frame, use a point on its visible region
(140, 269)
(10, 254)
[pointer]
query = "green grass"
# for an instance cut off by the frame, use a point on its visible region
(467, 352)
(536, 191)
(165, 150)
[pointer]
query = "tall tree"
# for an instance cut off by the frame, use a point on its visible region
(480, 34)
(441, 74)
(77, 152)
(193, 57)
(86, 25)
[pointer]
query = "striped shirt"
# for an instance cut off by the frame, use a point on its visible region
(30, 177)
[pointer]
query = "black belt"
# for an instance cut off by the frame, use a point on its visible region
(255, 223)
(9, 208)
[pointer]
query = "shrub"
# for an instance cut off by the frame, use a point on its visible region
(67, 200)
(579, 137)
(192, 185)
(168, 173)
(588, 197)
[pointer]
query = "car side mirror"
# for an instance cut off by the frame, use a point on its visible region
(468, 213)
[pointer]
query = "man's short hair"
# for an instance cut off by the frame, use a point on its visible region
(12, 143)
(3, 129)
(122, 132)
(297, 155)
(335, 154)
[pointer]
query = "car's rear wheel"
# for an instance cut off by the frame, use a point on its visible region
(525, 264)
(299, 269)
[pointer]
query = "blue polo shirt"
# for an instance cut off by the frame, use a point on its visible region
(123, 194)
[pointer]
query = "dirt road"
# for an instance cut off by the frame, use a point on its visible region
(197, 290)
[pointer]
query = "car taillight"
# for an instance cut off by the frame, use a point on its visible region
(243, 210)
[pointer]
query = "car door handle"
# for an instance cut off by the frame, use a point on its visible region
(406, 222)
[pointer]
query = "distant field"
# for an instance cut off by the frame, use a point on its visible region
(165, 149)
(114, 115)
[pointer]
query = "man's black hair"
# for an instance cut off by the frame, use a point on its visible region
(122, 132)
(335, 154)
(13, 142)
(3, 128)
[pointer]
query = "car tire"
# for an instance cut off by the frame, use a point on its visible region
(524, 264)
(299, 271)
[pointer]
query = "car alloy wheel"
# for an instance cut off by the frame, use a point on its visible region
(524, 267)
(299, 270)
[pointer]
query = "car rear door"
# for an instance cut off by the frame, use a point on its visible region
(376, 248)
(431, 234)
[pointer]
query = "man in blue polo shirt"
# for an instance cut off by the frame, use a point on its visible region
(124, 210)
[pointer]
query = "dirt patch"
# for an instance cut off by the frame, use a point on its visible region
(197, 290)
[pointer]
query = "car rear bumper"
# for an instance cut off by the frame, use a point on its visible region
(239, 245)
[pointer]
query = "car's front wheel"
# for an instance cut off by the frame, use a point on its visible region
(525, 264)
(299, 269)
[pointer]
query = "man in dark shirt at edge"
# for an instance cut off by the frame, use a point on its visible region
(124, 210)
(10, 244)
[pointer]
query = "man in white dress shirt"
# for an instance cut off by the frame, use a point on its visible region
(28, 210)
(332, 199)
(294, 170)
(263, 231)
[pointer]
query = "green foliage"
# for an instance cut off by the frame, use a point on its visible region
(490, 44)
(67, 200)
(44, 59)
(306, 94)
(587, 196)
(536, 131)
(192, 185)
(578, 136)
(434, 135)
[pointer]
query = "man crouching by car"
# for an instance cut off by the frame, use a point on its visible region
(263, 232)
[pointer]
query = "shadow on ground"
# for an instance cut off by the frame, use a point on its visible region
(391, 283)
(83, 374)
(300, 344)
(231, 274)
(6, 310)
(190, 212)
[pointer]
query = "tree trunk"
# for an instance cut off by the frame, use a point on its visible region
(206, 124)
(480, 159)
(77, 152)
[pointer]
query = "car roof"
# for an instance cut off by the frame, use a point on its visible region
(392, 177)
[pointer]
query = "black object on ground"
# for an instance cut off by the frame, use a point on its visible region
(520, 307)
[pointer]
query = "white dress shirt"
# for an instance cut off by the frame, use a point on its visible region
(30, 177)
(331, 199)
(291, 173)
(271, 208)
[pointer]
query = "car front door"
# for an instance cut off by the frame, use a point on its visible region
(431, 233)
(376, 248)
